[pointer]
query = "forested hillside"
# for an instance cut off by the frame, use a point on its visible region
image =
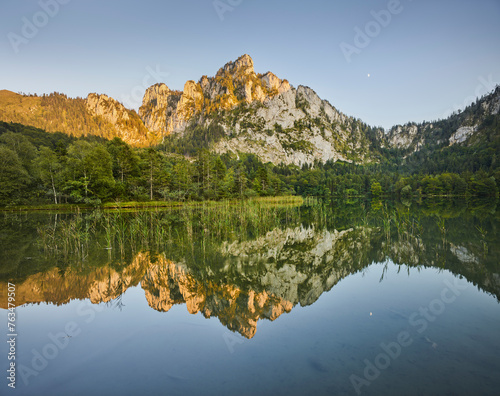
(74, 116)
(37, 167)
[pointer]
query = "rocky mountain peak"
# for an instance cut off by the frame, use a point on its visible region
(156, 94)
(243, 65)
(191, 89)
(164, 111)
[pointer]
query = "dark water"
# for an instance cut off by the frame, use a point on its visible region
(374, 298)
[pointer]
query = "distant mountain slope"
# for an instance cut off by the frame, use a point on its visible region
(97, 115)
(475, 123)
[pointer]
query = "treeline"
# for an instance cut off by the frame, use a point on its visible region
(343, 180)
(38, 167)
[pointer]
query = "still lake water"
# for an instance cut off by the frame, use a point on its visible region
(374, 298)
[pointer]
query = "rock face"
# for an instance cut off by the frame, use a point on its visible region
(459, 128)
(97, 115)
(158, 103)
(403, 136)
(461, 134)
(260, 114)
(126, 122)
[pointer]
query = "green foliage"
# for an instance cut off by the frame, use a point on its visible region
(193, 139)
(90, 169)
(406, 192)
(39, 168)
(125, 159)
(50, 170)
(302, 103)
(299, 145)
(13, 176)
(376, 189)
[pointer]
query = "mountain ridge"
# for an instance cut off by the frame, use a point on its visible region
(253, 113)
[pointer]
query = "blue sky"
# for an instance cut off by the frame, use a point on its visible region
(418, 59)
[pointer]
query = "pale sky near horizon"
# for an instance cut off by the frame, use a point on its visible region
(414, 60)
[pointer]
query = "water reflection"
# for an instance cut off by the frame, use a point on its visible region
(240, 265)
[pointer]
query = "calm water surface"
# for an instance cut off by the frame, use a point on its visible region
(373, 298)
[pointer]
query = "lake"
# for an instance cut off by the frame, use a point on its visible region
(344, 298)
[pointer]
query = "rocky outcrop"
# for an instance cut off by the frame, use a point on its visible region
(107, 108)
(169, 111)
(459, 128)
(461, 135)
(96, 115)
(260, 114)
(403, 136)
(158, 104)
(127, 124)
(274, 84)
(252, 113)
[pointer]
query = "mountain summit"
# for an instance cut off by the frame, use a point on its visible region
(258, 113)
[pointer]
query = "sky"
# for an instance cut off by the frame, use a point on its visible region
(385, 62)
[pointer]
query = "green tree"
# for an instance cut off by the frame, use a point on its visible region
(240, 180)
(261, 181)
(13, 176)
(219, 171)
(21, 145)
(125, 160)
(228, 184)
(91, 171)
(376, 189)
(153, 164)
(50, 169)
(205, 173)
(182, 179)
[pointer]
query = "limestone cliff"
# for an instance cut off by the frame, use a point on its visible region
(463, 127)
(128, 126)
(252, 113)
(260, 114)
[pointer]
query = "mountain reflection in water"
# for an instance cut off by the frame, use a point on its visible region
(243, 266)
